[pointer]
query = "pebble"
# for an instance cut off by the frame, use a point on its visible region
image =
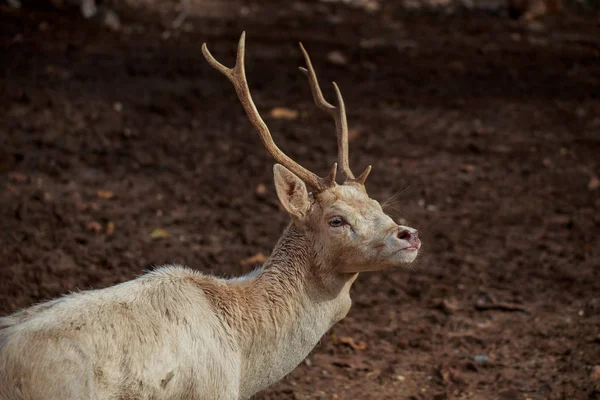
(481, 358)
(337, 57)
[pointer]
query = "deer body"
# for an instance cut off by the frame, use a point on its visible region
(166, 335)
(177, 334)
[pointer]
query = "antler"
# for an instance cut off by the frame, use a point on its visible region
(237, 76)
(339, 116)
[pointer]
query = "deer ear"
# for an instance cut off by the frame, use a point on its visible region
(291, 192)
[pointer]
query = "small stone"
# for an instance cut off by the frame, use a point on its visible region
(594, 183)
(109, 18)
(337, 57)
(261, 189)
(371, 6)
(481, 358)
(535, 26)
(372, 43)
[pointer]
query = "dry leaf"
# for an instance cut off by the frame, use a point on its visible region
(353, 134)
(450, 375)
(110, 228)
(370, 374)
(350, 342)
(284, 113)
(94, 226)
(159, 233)
(468, 168)
(342, 363)
(449, 305)
(258, 258)
(18, 177)
(594, 183)
(104, 194)
(352, 362)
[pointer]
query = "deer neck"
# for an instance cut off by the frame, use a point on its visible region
(292, 303)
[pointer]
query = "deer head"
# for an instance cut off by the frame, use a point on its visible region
(350, 231)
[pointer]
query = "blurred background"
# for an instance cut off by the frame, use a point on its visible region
(121, 149)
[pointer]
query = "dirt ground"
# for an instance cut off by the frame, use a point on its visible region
(122, 150)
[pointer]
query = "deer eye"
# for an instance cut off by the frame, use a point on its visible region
(336, 222)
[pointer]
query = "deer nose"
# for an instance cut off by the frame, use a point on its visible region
(410, 237)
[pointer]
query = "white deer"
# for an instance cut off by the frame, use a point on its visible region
(175, 333)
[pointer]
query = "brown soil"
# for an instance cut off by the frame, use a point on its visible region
(490, 128)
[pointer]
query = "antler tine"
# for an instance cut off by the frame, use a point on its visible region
(339, 115)
(237, 76)
(341, 126)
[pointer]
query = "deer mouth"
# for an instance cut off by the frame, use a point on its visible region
(413, 246)
(408, 249)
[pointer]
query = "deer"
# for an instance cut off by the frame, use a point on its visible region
(175, 333)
